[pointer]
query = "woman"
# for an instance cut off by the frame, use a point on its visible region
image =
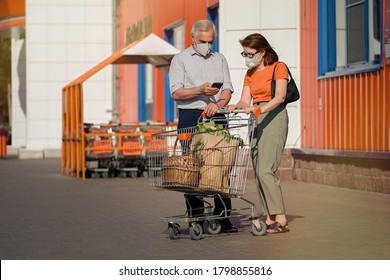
(272, 124)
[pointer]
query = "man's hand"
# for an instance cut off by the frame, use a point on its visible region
(209, 90)
(211, 109)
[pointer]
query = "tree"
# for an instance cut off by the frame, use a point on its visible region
(5, 78)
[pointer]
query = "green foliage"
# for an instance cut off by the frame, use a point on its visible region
(5, 77)
(217, 129)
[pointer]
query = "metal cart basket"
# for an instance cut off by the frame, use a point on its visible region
(208, 160)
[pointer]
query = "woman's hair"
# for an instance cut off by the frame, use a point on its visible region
(202, 25)
(258, 42)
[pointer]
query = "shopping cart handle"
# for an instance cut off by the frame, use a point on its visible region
(255, 112)
(224, 110)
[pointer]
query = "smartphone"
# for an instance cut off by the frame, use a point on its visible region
(217, 84)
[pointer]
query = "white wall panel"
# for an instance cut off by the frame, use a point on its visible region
(97, 2)
(284, 43)
(40, 52)
(98, 14)
(56, 33)
(54, 110)
(56, 71)
(19, 133)
(101, 36)
(38, 109)
(242, 14)
(53, 88)
(238, 82)
(74, 70)
(57, 52)
(278, 14)
(36, 14)
(37, 129)
(278, 21)
(54, 131)
(36, 72)
(76, 15)
(60, 35)
(76, 34)
(76, 53)
(56, 14)
(30, 3)
(38, 90)
(36, 33)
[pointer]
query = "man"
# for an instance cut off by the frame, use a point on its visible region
(191, 75)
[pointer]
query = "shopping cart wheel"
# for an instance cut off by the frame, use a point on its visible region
(196, 231)
(213, 227)
(259, 227)
(174, 230)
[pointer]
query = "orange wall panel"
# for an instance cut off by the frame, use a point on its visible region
(346, 112)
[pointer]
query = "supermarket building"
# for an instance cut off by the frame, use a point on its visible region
(338, 53)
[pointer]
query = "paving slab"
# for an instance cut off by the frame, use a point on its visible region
(45, 215)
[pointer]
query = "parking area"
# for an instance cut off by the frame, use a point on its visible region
(45, 215)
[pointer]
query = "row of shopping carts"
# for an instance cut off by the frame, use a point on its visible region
(120, 150)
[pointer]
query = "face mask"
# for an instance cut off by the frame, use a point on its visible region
(203, 49)
(252, 62)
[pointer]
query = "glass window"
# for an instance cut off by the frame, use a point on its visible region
(356, 43)
(349, 35)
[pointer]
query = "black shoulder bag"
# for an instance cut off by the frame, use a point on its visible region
(292, 94)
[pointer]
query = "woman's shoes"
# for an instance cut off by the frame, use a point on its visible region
(277, 228)
(270, 225)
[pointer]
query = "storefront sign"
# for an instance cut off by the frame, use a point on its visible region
(138, 30)
(386, 32)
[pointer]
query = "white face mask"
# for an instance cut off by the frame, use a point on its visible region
(203, 49)
(252, 62)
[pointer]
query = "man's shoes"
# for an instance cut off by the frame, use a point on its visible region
(228, 228)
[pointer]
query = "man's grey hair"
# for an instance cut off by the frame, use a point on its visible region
(202, 25)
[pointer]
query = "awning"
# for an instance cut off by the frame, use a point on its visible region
(150, 49)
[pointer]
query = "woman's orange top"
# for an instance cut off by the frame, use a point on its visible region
(260, 81)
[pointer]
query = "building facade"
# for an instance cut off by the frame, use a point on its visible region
(338, 53)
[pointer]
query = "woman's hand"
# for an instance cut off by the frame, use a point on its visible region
(231, 108)
(248, 110)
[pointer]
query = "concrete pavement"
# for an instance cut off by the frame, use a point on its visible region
(45, 215)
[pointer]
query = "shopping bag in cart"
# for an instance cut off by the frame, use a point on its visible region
(211, 169)
(217, 150)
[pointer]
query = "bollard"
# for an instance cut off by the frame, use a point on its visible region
(3, 143)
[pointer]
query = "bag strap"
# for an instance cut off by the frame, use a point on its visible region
(273, 73)
(273, 80)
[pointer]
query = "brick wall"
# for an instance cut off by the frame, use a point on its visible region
(361, 171)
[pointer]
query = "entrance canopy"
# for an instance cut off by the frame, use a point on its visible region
(152, 49)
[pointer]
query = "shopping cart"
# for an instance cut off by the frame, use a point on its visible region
(100, 143)
(129, 158)
(208, 160)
